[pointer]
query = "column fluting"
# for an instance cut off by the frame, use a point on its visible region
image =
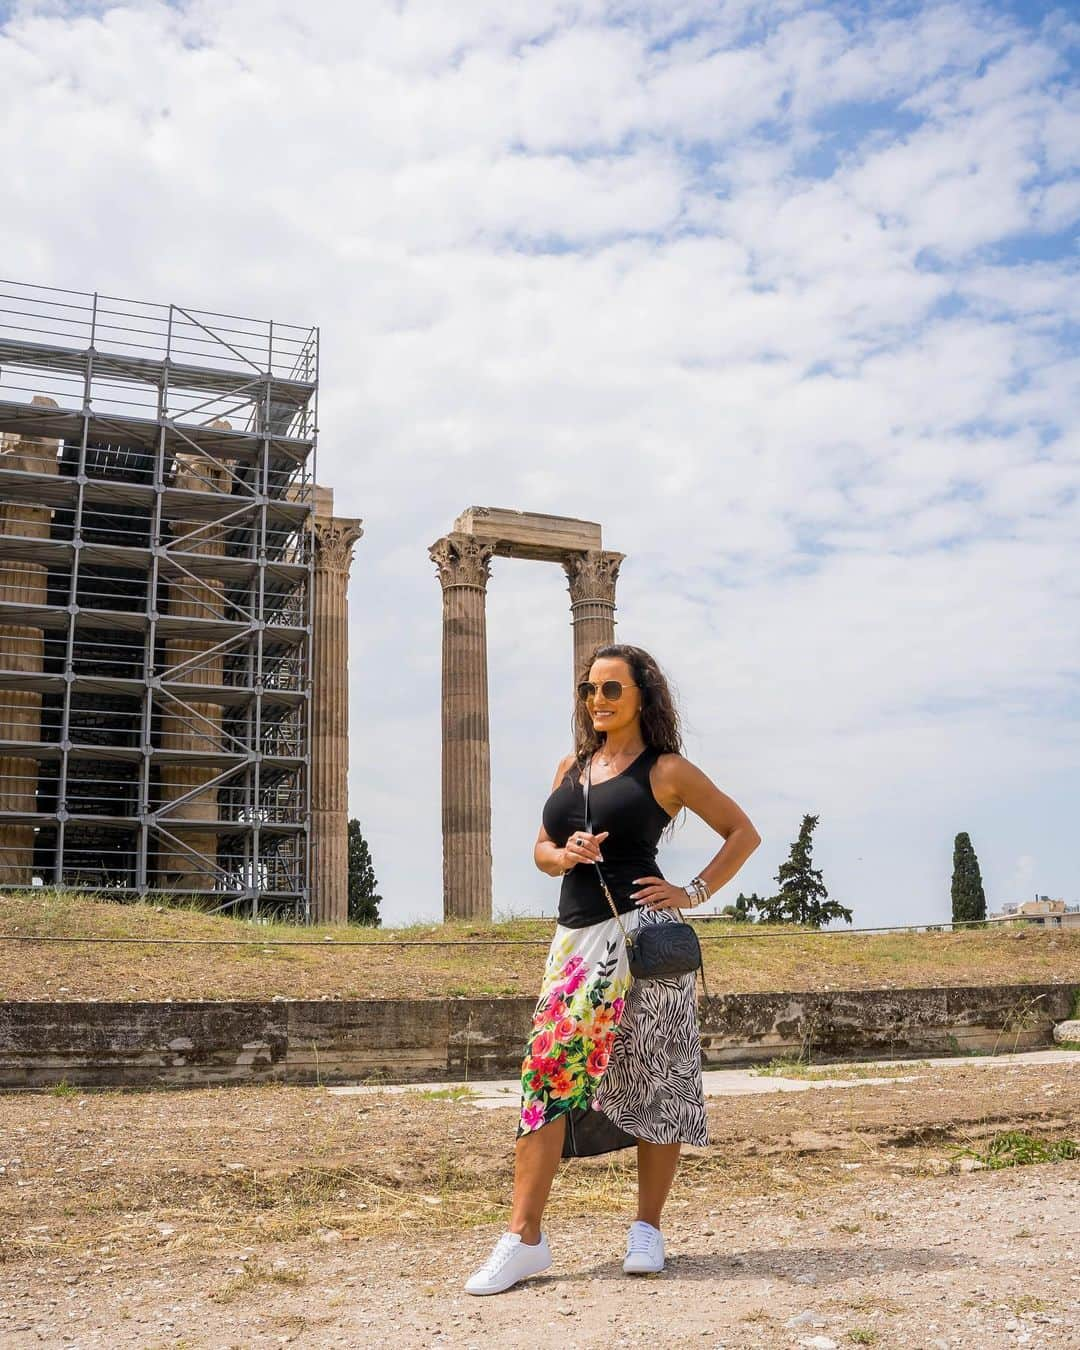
(334, 541)
(464, 566)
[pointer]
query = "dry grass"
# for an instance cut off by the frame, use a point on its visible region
(742, 960)
(253, 1273)
(785, 1067)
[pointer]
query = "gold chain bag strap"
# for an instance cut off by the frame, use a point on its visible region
(658, 951)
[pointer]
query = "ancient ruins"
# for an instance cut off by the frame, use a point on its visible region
(173, 628)
(173, 616)
(463, 559)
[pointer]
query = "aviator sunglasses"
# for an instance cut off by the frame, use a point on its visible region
(612, 690)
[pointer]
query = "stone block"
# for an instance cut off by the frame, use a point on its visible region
(529, 534)
(417, 1040)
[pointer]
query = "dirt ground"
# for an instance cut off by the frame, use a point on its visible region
(289, 1216)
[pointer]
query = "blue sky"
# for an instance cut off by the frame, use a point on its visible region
(788, 303)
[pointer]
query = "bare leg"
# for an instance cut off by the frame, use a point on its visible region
(536, 1160)
(656, 1165)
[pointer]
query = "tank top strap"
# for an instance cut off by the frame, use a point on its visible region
(642, 766)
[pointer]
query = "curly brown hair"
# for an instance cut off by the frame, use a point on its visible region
(660, 727)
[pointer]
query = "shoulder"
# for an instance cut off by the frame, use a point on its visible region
(565, 765)
(674, 779)
(673, 768)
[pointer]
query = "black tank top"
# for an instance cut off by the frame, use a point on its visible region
(623, 805)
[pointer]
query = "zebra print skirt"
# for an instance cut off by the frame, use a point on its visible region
(620, 1059)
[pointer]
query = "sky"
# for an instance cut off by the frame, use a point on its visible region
(783, 295)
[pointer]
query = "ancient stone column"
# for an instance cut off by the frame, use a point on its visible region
(592, 600)
(334, 540)
(464, 565)
(195, 726)
(22, 650)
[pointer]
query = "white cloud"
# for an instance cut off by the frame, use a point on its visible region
(582, 259)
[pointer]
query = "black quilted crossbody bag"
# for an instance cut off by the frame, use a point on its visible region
(656, 951)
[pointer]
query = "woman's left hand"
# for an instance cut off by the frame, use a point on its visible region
(656, 893)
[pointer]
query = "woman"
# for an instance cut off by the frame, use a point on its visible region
(612, 1063)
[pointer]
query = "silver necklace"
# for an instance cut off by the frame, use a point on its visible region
(607, 763)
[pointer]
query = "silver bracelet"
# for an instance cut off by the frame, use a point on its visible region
(697, 891)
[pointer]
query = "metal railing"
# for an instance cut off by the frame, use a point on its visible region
(222, 362)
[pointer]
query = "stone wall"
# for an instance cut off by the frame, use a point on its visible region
(410, 1040)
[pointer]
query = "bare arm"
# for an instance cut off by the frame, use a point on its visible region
(556, 861)
(677, 784)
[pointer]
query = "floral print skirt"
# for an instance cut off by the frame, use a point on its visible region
(591, 1017)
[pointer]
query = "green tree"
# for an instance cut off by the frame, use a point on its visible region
(802, 897)
(742, 911)
(968, 896)
(363, 900)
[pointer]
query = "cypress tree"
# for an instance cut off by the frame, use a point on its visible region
(363, 900)
(802, 897)
(968, 896)
(742, 911)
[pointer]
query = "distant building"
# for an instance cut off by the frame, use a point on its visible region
(1043, 910)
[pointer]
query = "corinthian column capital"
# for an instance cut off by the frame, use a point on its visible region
(461, 560)
(334, 540)
(593, 576)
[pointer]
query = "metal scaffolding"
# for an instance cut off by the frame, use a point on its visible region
(156, 556)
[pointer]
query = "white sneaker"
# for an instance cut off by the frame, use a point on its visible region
(644, 1250)
(510, 1261)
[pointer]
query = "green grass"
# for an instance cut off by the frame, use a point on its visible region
(1015, 1148)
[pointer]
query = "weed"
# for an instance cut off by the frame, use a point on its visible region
(1021, 1017)
(783, 1066)
(1028, 1303)
(1068, 1045)
(862, 1336)
(461, 1093)
(1016, 1148)
(869, 1303)
(789, 1067)
(254, 1274)
(63, 1089)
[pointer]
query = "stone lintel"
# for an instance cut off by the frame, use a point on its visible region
(529, 534)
